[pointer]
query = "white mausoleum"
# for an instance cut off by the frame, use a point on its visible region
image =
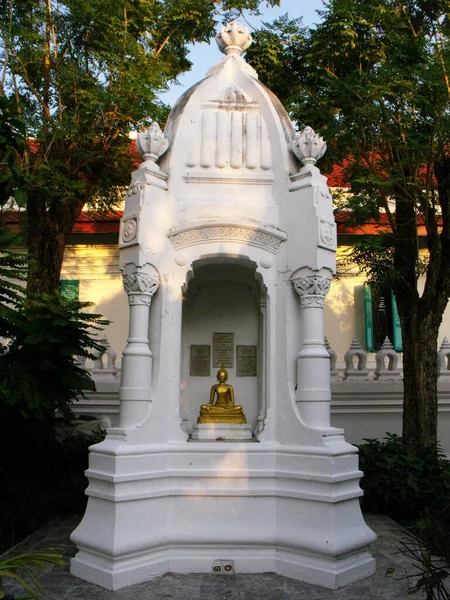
(227, 249)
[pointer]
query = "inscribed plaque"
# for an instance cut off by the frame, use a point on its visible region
(223, 346)
(200, 361)
(246, 361)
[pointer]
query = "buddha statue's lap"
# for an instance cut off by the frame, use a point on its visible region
(223, 409)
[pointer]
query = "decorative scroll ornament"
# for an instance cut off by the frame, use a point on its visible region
(308, 146)
(228, 233)
(233, 38)
(134, 188)
(152, 144)
(327, 234)
(140, 287)
(129, 231)
(312, 290)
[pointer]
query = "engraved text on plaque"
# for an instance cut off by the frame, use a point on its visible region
(246, 361)
(223, 345)
(200, 361)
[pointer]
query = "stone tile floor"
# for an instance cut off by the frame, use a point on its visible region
(58, 584)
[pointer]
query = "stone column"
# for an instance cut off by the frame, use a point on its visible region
(313, 361)
(135, 390)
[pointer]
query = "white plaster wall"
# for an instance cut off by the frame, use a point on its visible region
(224, 307)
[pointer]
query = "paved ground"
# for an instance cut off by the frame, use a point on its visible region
(58, 584)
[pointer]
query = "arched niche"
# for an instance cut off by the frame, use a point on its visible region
(223, 295)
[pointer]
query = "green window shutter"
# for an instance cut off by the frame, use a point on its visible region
(368, 316)
(70, 288)
(396, 326)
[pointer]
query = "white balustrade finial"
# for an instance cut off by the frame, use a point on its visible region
(386, 352)
(152, 144)
(308, 146)
(445, 344)
(233, 38)
(444, 359)
(359, 371)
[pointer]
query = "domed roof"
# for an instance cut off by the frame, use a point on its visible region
(229, 121)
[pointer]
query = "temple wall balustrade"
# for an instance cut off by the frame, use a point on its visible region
(366, 394)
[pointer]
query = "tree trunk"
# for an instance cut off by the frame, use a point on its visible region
(420, 371)
(421, 317)
(47, 234)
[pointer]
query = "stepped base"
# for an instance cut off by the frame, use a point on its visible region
(182, 508)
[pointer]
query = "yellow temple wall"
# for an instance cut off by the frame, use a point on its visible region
(97, 269)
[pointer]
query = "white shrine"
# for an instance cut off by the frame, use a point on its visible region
(228, 249)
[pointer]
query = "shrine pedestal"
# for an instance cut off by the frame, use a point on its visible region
(221, 432)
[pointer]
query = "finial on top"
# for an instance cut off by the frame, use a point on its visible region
(233, 38)
(308, 146)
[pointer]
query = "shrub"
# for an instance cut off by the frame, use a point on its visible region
(401, 483)
(42, 481)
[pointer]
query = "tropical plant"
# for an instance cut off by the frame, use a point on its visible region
(39, 371)
(428, 547)
(21, 570)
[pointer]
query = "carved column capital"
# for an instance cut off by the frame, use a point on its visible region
(312, 290)
(140, 287)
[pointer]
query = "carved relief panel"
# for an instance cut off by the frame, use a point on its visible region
(230, 134)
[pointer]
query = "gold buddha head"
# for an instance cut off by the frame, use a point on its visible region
(222, 374)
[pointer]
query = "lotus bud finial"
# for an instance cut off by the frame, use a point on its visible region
(308, 146)
(152, 144)
(233, 38)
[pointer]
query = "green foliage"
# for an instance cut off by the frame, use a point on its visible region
(12, 147)
(42, 481)
(40, 339)
(20, 568)
(274, 50)
(13, 270)
(38, 369)
(400, 482)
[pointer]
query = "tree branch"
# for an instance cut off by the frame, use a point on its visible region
(26, 78)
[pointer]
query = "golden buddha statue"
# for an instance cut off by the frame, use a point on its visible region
(223, 410)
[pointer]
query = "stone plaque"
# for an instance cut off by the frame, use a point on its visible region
(223, 346)
(200, 361)
(246, 361)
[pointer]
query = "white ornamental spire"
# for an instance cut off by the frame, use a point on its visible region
(233, 38)
(308, 146)
(152, 144)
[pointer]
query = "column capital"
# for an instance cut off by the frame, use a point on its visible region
(312, 289)
(140, 285)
